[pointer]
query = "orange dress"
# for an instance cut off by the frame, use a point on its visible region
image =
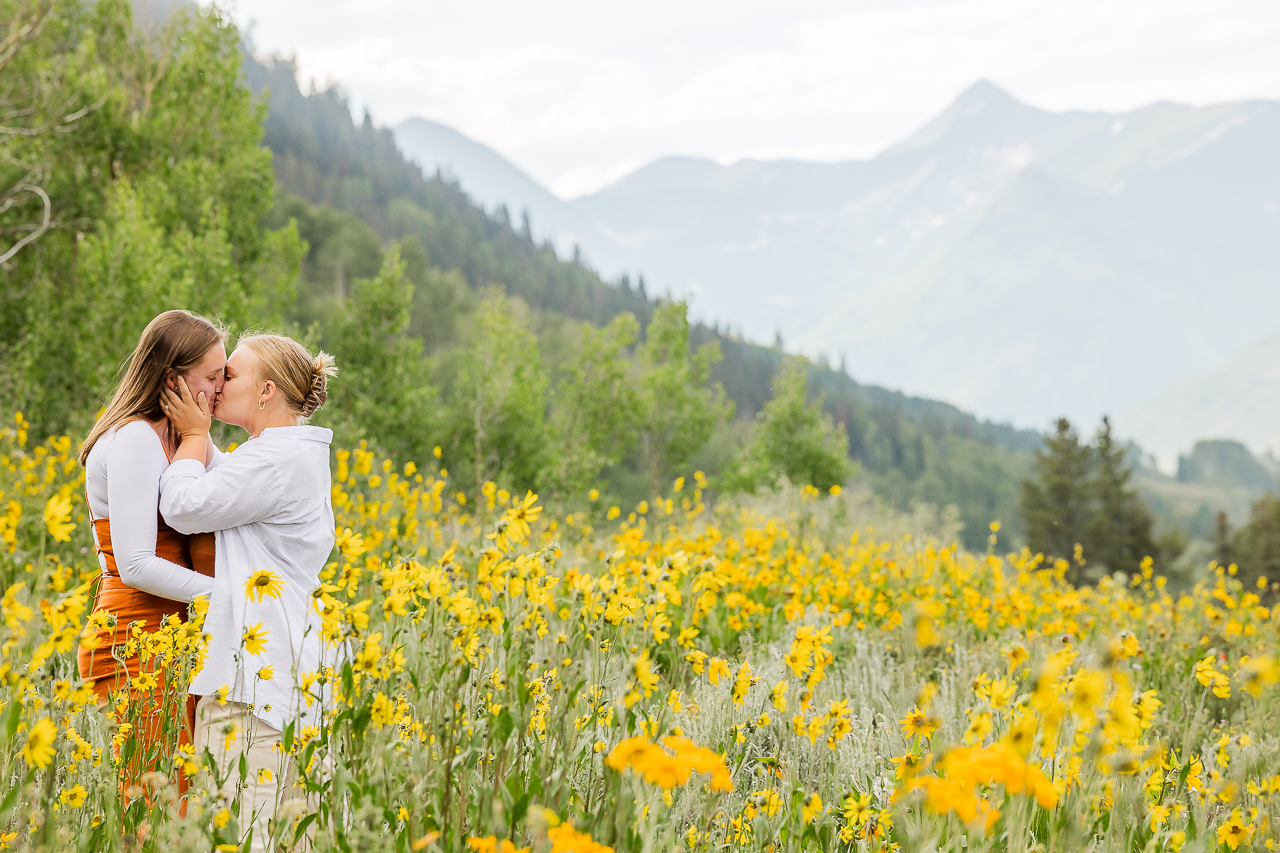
(107, 667)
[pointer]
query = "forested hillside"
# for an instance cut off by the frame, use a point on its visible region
(353, 193)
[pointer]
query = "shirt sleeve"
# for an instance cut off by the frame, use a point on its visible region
(216, 456)
(246, 487)
(134, 464)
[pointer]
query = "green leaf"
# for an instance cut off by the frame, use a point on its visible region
(348, 679)
(520, 809)
(360, 722)
(503, 725)
(302, 826)
(6, 805)
(9, 721)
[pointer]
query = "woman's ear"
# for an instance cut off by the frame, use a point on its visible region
(171, 379)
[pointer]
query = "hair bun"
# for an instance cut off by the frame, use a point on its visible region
(317, 395)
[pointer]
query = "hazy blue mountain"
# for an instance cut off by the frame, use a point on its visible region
(1017, 262)
(492, 181)
(1238, 398)
(488, 177)
(1226, 462)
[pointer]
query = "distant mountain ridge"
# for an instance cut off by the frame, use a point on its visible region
(490, 180)
(1237, 398)
(1017, 262)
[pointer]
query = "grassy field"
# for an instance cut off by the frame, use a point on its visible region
(800, 673)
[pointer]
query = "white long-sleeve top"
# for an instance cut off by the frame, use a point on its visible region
(269, 504)
(122, 482)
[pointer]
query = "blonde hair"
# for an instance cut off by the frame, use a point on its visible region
(301, 377)
(173, 342)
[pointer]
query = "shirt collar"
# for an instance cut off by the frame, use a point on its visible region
(301, 433)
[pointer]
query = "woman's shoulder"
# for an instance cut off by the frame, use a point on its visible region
(134, 436)
(298, 453)
(273, 448)
(300, 433)
(287, 442)
(137, 426)
(132, 447)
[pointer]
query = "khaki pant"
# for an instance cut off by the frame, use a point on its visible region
(268, 777)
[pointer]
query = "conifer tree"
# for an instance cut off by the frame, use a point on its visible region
(1119, 533)
(1223, 548)
(1082, 494)
(1057, 499)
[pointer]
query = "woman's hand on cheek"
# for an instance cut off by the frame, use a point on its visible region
(189, 415)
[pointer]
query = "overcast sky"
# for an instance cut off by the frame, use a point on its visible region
(580, 92)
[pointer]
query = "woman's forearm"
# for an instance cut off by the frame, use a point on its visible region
(195, 446)
(158, 576)
(243, 489)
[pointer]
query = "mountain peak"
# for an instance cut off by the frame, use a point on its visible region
(672, 171)
(985, 94)
(984, 112)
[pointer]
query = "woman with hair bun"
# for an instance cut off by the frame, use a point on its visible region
(269, 505)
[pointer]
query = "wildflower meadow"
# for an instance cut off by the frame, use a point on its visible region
(801, 673)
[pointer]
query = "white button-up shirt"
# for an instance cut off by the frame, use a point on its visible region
(269, 503)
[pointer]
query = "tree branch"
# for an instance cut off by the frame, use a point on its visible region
(40, 229)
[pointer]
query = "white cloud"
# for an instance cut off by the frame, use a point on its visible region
(577, 91)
